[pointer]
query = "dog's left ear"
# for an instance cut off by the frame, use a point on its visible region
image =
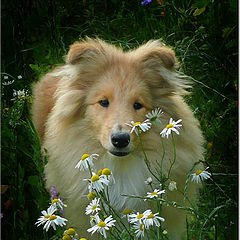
(85, 50)
(156, 53)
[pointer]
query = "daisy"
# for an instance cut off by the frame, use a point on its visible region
(155, 193)
(200, 175)
(85, 160)
(138, 126)
(102, 226)
(148, 181)
(172, 126)
(50, 219)
(152, 219)
(97, 182)
(94, 219)
(154, 116)
(138, 217)
(139, 227)
(107, 174)
(57, 203)
(172, 186)
(93, 206)
(126, 213)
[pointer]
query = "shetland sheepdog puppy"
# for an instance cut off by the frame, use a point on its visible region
(83, 106)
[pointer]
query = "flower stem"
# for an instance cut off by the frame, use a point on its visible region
(174, 159)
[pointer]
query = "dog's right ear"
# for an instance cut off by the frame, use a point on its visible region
(87, 50)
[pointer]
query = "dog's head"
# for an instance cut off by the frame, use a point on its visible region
(106, 88)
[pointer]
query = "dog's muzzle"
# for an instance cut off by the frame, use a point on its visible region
(120, 142)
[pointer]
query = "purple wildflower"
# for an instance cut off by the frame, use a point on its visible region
(146, 2)
(54, 192)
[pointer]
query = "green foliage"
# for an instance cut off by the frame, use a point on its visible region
(36, 34)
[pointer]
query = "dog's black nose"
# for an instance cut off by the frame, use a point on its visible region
(120, 140)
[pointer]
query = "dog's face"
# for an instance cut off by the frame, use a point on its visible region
(109, 88)
(118, 97)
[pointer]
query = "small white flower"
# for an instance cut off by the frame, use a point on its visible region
(126, 213)
(19, 76)
(148, 181)
(138, 217)
(152, 219)
(5, 77)
(154, 116)
(172, 126)
(50, 219)
(94, 219)
(138, 126)
(200, 175)
(93, 207)
(139, 229)
(85, 160)
(8, 83)
(57, 203)
(102, 226)
(20, 94)
(172, 186)
(155, 193)
(97, 182)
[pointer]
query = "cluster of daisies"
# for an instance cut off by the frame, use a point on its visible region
(101, 223)
(98, 190)
(154, 116)
(50, 218)
(172, 126)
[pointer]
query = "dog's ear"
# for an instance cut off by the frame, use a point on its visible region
(89, 49)
(157, 64)
(156, 53)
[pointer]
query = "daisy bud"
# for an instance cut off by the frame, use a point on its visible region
(172, 186)
(106, 171)
(91, 195)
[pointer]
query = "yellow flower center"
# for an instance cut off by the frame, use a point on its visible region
(150, 216)
(71, 231)
(94, 207)
(99, 173)
(83, 239)
(66, 237)
(136, 123)
(91, 195)
(52, 217)
(141, 227)
(169, 126)
(55, 201)
(47, 216)
(127, 211)
(101, 224)
(84, 156)
(153, 194)
(94, 178)
(198, 172)
(140, 216)
(106, 171)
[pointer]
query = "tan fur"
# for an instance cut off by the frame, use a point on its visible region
(70, 122)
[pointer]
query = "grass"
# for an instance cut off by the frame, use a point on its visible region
(36, 36)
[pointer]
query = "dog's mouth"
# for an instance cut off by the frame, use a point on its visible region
(119, 154)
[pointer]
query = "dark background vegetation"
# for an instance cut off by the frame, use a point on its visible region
(35, 36)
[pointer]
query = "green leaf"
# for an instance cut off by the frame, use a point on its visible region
(33, 180)
(199, 11)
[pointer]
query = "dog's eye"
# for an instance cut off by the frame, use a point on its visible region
(104, 103)
(137, 105)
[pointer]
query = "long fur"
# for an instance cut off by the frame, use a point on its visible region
(70, 122)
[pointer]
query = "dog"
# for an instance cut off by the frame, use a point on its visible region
(82, 107)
